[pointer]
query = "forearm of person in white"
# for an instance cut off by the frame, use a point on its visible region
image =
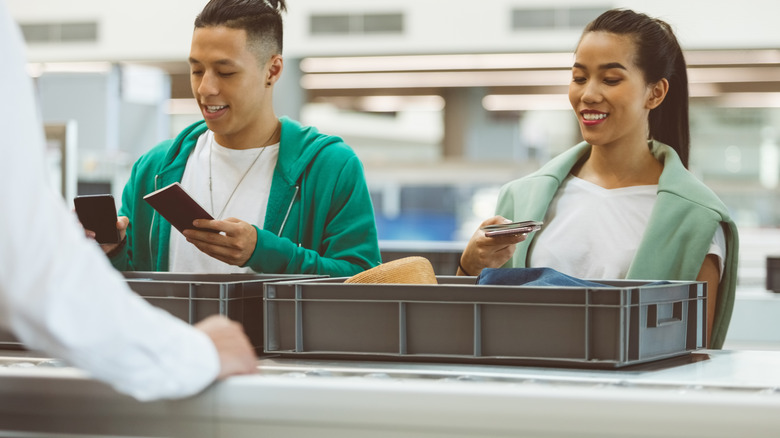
(59, 294)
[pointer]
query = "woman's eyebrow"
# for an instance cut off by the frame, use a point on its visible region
(607, 66)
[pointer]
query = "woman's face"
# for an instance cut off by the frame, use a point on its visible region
(608, 90)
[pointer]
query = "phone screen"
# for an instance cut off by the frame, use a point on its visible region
(97, 213)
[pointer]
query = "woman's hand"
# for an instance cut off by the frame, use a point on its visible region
(488, 252)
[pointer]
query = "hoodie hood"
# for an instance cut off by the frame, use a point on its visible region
(299, 146)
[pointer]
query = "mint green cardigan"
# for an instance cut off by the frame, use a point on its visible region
(678, 235)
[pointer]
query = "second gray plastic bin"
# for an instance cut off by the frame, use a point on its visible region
(458, 321)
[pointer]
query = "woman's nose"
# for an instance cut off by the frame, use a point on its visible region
(591, 92)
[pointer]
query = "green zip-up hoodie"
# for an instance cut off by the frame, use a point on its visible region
(319, 220)
(678, 235)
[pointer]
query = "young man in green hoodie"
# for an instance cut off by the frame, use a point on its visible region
(285, 198)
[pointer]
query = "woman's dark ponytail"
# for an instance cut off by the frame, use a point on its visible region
(669, 122)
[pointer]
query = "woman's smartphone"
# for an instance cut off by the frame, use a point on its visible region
(522, 227)
(97, 213)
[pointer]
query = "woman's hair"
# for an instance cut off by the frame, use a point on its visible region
(659, 56)
(261, 19)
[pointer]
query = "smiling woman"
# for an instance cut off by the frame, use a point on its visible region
(622, 204)
(610, 95)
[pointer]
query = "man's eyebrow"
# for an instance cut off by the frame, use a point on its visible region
(607, 66)
(218, 62)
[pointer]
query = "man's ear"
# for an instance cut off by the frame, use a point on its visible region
(657, 93)
(274, 72)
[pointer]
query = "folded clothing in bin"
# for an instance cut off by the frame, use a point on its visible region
(539, 277)
(532, 277)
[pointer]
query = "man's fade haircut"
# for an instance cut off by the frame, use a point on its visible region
(260, 19)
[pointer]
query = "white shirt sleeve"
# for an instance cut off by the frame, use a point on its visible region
(58, 292)
(718, 248)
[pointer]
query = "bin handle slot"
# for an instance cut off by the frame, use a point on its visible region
(660, 317)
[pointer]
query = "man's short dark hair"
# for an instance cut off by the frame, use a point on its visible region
(261, 19)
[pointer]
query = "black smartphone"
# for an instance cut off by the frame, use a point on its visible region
(98, 213)
(522, 227)
(178, 207)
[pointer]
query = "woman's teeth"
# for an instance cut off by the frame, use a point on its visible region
(594, 116)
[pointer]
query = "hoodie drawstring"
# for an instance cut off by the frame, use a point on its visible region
(151, 227)
(287, 215)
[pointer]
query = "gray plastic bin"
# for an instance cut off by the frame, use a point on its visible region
(8, 341)
(193, 297)
(773, 273)
(458, 321)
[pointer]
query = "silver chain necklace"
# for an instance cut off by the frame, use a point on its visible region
(257, 157)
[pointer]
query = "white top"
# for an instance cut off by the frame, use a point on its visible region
(58, 292)
(248, 203)
(593, 232)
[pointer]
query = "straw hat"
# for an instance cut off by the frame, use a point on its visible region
(408, 270)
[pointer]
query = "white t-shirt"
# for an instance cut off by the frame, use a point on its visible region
(593, 232)
(248, 202)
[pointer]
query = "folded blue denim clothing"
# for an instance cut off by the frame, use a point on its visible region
(532, 277)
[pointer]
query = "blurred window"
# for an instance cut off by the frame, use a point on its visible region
(533, 18)
(580, 17)
(36, 33)
(329, 24)
(356, 24)
(78, 32)
(383, 23)
(60, 32)
(554, 18)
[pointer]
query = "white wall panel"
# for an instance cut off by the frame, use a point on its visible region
(161, 30)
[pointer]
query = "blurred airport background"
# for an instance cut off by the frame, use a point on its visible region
(444, 101)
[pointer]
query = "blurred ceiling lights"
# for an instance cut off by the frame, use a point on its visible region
(389, 104)
(749, 100)
(511, 61)
(523, 102)
(530, 80)
(527, 102)
(36, 69)
(490, 61)
(441, 79)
